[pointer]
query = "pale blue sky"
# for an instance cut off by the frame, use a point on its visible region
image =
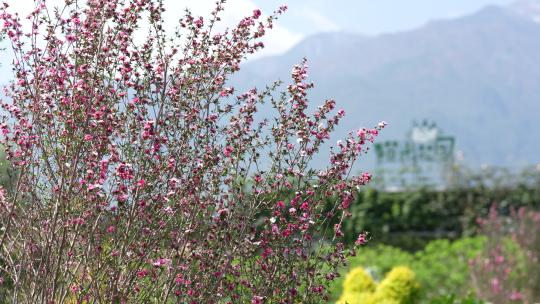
(307, 17)
(370, 16)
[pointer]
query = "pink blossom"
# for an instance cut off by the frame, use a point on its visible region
(256, 13)
(227, 151)
(74, 289)
(142, 273)
(495, 285)
(141, 183)
(362, 239)
(516, 296)
(161, 262)
(199, 22)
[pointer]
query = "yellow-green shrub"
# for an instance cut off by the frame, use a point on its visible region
(358, 280)
(399, 287)
(357, 287)
(355, 298)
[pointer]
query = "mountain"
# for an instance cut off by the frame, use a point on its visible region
(477, 76)
(527, 8)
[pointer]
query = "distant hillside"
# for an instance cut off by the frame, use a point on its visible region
(477, 76)
(528, 9)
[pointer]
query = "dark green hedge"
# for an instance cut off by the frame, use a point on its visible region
(408, 219)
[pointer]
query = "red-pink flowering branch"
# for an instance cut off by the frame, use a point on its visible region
(144, 178)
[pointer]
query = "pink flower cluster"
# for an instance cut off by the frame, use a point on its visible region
(508, 270)
(142, 176)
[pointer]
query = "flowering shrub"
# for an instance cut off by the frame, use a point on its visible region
(508, 270)
(142, 175)
(7, 175)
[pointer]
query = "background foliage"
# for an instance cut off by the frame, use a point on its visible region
(441, 268)
(409, 219)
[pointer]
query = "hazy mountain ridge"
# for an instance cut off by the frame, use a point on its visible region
(478, 76)
(527, 8)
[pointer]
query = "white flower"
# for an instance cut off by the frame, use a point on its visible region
(168, 210)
